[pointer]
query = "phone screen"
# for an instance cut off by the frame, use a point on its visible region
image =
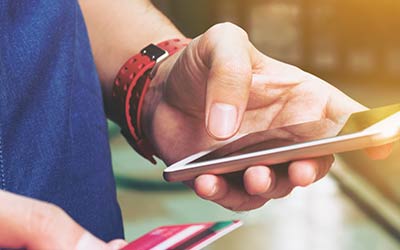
(304, 132)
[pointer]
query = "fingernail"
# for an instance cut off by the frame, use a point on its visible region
(88, 241)
(222, 120)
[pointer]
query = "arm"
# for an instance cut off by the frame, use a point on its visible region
(218, 86)
(119, 29)
(33, 224)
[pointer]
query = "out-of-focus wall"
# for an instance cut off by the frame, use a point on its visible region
(335, 39)
(353, 44)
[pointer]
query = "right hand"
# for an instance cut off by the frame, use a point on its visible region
(221, 85)
(33, 224)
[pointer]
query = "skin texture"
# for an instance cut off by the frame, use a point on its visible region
(220, 85)
(36, 225)
(265, 94)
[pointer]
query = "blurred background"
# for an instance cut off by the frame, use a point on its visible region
(354, 45)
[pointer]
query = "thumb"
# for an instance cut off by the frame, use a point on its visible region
(226, 51)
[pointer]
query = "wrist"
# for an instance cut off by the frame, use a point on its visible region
(131, 86)
(108, 73)
(154, 96)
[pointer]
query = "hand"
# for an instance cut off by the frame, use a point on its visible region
(32, 224)
(221, 85)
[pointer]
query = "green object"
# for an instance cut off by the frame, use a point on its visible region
(113, 129)
(221, 225)
(140, 184)
(148, 185)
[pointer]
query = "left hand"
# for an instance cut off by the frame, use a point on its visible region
(36, 225)
(221, 85)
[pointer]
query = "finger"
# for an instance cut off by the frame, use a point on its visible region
(34, 225)
(257, 180)
(304, 172)
(229, 79)
(379, 153)
(226, 194)
(210, 187)
(86, 241)
(280, 184)
(117, 244)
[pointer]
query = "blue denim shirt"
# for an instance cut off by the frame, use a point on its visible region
(53, 132)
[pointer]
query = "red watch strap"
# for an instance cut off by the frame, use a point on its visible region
(130, 87)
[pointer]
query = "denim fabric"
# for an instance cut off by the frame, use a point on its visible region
(53, 131)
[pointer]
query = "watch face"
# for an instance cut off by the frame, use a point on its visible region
(154, 52)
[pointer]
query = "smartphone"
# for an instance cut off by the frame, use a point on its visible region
(359, 130)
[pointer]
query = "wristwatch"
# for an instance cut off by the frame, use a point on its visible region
(130, 87)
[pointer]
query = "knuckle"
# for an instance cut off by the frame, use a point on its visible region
(234, 68)
(222, 29)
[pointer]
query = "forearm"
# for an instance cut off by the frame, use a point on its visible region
(117, 30)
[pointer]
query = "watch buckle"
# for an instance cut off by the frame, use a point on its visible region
(156, 54)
